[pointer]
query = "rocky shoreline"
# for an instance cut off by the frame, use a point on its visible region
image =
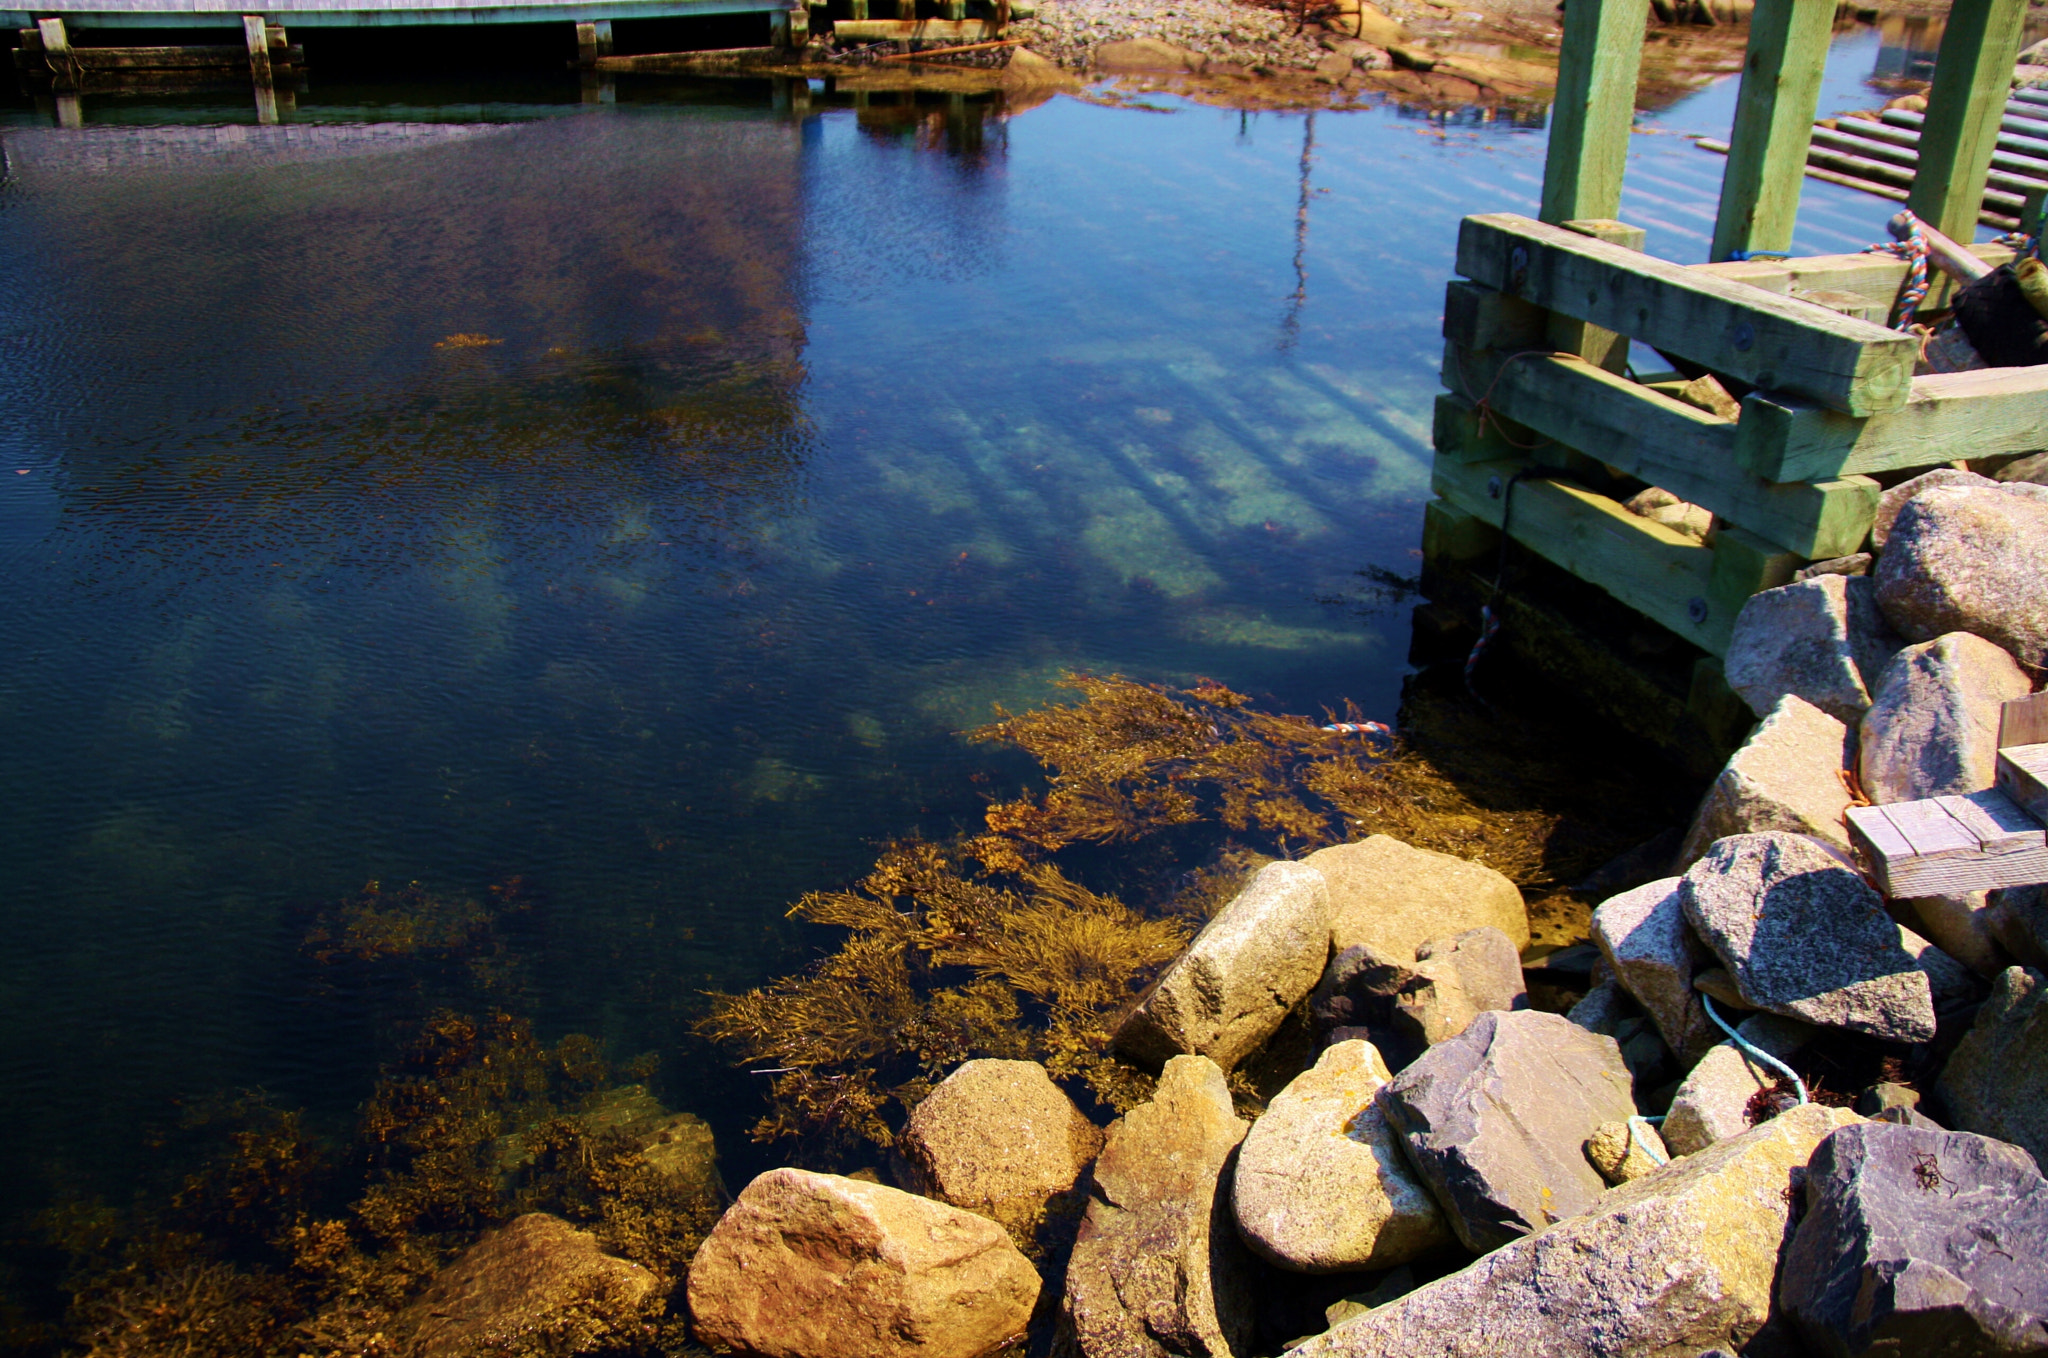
(1783, 1115)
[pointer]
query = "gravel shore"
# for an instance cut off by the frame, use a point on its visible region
(1068, 31)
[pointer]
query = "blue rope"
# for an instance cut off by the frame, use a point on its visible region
(1755, 1052)
(1635, 1139)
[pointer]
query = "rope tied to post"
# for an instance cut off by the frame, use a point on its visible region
(1912, 249)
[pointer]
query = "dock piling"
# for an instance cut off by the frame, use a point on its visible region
(1594, 109)
(1964, 110)
(1774, 110)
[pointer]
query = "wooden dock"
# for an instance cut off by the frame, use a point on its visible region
(1544, 431)
(204, 14)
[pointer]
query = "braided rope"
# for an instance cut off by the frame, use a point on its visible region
(1913, 249)
(1755, 1052)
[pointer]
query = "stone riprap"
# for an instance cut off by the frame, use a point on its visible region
(1932, 730)
(1920, 1241)
(1970, 559)
(1231, 989)
(1622, 1151)
(1996, 1082)
(536, 1274)
(1356, 999)
(810, 1265)
(1713, 1101)
(1679, 1262)
(1786, 776)
(1322, 1185)
(1393, 898)
(1158, 1268)
(1644, 936)
(1821, 640)
(1457, 979)
(998, 1138)
(1805, 937)
(1892, 501)
(2019, 918)
(1496, 1119)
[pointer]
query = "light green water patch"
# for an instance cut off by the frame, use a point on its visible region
(1260, 631)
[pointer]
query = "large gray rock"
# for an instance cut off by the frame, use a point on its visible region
(1933, 729)
(1676, 1263)
(810, 1265)
(2033, 469)
(1966, 927)
(1996, 1082)
(1970, 559)
(1393, 898)
(1158, 1268)
(1495, 1119)
(1892, 501)
(1321, 1183)
(1457, 979)
(998, 1138)
(2019, 918)
(1644, 936)
(1806, 937)
(1356, 1000)
(1786, 776)
(1822, 640)
(1229, 991)
(1713, 1101)
(1919, 1241)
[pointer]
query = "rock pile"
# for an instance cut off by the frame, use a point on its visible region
(1444, 1117)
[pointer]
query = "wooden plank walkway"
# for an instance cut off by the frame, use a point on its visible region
(370, 13)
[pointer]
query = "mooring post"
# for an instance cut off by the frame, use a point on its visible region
(593, 40)
(1788, 43)
(57, 54)
(1972, 73)
(778, 28)
(1594, 109)
(1597, 345)
(859, 8)
(799, 25)
(256, 37)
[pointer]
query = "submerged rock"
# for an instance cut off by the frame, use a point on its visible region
(998, 1138)
(1644, 936)
(1393, 898)
(1787, 776)
(1249, 966)
(536, 1278)
(1495, 1119)
(1996, 1082)
(1321, 1184)
(1970, 559)
(1678, 1262)
(1920, 1241)
(1933, 729)
(1805, 937)
(1158, 1268)
(810, 1265)
(1821, 640)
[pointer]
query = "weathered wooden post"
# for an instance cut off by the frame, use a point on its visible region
(256, 37)
(778, 28)
(593, 40)
(1788, 41)
(1972, 73)
(1594, 109)
(57, 53)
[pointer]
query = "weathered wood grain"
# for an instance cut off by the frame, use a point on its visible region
(1781, 71)
(1593, 110)
(1763, 339)
(1924, 849)
(2023, 776)
(1947, 416)
(1995, 821)
(1965, 105)
(1655, 570)
(1687, 451)
(2024, 721)
(914, 30)
(1930, 829)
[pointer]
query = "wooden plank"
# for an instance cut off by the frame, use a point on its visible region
(1902, 872)
(1451, 536)
(1972, 73)
(1758, 337)
(1745, 564)
(1459, 434)
(96, 59)
(1687, 451)
(1995, 821)
(2024, 721)
(2020, 140)
(1593, 110)
(1594, 343)
(914, 30)
(1875, 834)
(1481, 318)
(1655, 570)
(1852, 133)
(2023, 776)
(1949, 415)
(657, 63)
(2003, 190)
(1932, 832)
(1774, 109)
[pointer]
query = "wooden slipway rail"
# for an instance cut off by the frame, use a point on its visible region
(1543, 429)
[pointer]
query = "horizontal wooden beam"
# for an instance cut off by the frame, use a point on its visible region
(1658, 571)
(2023, 776)
(1946, 846)
(657, 63)
(1949, 415)
(913, 30)
(1760, 338)
(1685, 450)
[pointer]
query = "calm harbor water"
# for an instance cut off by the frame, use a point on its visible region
(639, 500)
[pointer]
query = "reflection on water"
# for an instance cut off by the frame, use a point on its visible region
(636, 500)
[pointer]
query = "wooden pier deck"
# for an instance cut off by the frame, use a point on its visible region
(215, 14)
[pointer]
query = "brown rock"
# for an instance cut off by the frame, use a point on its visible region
(998, 1138)
(1786, 776)
(1157, 1268)
(1393, 898)
(1139, 56)
(538, 1278)
(818, 1266)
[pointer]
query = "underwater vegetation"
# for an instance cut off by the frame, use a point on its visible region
(991, 947)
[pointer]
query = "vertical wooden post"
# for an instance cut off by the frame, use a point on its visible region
(57, 54)
(1788, 48)
(799, 25)
(906, 9)
(256, 36)
(1972, 73)
(70, 113)
(778, 28)
(1594, 108)
(956, 9)
(1599, 346)
(586, 45)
